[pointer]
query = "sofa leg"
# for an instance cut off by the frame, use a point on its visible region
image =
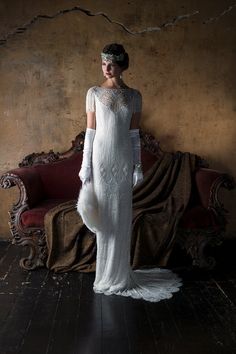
(37, 252)
(198, 252)
(197, 243)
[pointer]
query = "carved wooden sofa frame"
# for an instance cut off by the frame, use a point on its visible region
(194, 241)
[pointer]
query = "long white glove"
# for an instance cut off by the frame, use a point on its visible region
(85, 172)
(136, 148)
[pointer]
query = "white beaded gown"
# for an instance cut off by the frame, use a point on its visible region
(112, 170)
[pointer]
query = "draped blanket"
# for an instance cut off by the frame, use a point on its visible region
(159, 202)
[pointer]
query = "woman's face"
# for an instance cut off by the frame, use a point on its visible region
(110, 69)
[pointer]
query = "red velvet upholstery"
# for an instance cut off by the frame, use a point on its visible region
(35, 216)
(148, 160)
(60, 182)
(51, 184)
(198, 218)
(60, 179)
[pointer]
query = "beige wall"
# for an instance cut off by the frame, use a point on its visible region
(186, 74)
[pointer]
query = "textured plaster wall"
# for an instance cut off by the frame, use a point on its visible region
(183, 63)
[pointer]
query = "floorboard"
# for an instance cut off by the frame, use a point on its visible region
(46, 313)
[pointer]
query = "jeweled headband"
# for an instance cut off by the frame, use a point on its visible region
(112, 57)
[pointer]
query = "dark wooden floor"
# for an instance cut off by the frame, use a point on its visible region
(41, 312)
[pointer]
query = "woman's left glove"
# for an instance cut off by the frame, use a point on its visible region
(85, 172)
(136, 148)
(137, 174)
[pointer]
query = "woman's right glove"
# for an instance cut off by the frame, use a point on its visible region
(136, 148)
(85, 172)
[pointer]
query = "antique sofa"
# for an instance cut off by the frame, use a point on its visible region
(48, 179)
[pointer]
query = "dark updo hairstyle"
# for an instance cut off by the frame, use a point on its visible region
(117, 49)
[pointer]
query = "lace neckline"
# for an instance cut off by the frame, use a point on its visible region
(113, 89)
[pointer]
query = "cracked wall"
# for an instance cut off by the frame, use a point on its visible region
(182, 60)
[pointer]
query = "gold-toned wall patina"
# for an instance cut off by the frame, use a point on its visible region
(183, 63)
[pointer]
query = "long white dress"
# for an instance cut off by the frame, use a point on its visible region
(112, 170)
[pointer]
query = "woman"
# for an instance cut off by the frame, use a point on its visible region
(111, 167)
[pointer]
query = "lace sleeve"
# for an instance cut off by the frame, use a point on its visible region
(90, 100)
(137, 103)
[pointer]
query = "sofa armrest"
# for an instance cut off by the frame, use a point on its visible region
(208, 183)
(29, 182)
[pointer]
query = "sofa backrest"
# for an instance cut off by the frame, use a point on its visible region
(148, 159)
(60, 179)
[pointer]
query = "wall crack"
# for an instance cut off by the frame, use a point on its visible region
(223, 13)
(159, 28)
(24, 27)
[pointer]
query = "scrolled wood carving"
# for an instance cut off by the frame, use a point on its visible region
(38, 250)
(34, 238)
(150, 144)
(39, 158)
(197, 243)
(8, 180)
(51, 156)
(223, 181)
